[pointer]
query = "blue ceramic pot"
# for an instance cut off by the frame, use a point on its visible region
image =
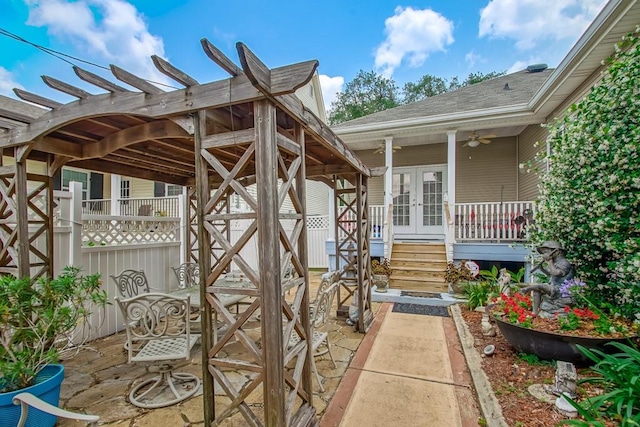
(47, 388)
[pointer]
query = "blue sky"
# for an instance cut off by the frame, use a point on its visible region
(402, 40)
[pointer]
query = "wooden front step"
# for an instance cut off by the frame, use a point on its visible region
(419, 267)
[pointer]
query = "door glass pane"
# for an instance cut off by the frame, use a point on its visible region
(432, 198)
(401, 199)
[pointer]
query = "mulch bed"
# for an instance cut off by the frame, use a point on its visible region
(510, 376)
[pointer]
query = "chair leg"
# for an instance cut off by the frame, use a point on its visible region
(149, 394)
(330, 354)
(315, 369)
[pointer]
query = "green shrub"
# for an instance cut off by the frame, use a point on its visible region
(590, 195)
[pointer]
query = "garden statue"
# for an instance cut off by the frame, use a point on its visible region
(559, 269)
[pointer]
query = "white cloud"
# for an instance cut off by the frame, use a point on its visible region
(330, 88)
(472, 58)
(110, 29)
(518, 66)
(529, 22)
(7, 83)
(412, 35)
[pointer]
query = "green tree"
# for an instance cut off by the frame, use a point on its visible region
(366, 94)
(427, 86)
(590, 197)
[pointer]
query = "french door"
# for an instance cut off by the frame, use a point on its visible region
(417, 201)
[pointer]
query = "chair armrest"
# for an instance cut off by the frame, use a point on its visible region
(28, 399)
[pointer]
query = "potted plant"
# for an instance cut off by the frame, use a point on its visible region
(40, 321)
(557, 337)
(381, 272)
(457, 275)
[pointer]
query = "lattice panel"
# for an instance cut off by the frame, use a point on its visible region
(109, 231)
(293, 276)
(317, 222)
(39, 199)
(192, 225)
(8, 228)
(347, 243)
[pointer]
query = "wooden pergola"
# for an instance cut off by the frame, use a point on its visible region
(216, 139)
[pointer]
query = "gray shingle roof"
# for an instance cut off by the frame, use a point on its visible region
(486, 94)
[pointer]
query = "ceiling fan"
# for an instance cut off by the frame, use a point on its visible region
(381, 148)
(474, 139)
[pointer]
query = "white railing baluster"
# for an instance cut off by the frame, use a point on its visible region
(491, 221)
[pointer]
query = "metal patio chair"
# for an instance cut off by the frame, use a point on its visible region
(188, 274)
(162, 334)
(319, 334)
(131, 283)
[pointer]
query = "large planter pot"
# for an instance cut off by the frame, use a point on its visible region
(552, 346)
(47, 388)
(381, 281)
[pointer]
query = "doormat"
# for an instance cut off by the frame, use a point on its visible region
(428, 310)
(421, 294)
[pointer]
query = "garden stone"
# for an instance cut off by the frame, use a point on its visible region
(566, 379)
(540, 392)
(565, 407)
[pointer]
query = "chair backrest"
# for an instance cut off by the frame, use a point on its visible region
(323, 307)
(145, 210)
(327, 280)
(188, 274)
(131, 283)
(154, 318)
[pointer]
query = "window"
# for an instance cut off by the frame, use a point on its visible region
(125, 189)
(77, 176)
(174, 190)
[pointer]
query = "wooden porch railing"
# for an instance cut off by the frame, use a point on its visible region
(449, 233)
(151, 206)
(494, 221)
(376, 221)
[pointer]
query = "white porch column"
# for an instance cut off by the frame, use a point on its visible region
(115, 194)
(75, 221)
(451, 169)
(388, 175)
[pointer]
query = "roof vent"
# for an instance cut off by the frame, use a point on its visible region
(506, 87)
(536, 68)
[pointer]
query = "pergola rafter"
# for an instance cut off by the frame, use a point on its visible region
(216, 139)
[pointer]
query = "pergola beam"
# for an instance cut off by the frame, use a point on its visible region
(98, 81)
(219, 58)
(65, 87)
(298, 75)
(135, 81)
(36, 99)
(133, 135)
(172, 72)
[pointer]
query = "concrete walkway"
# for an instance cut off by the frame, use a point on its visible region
(409, 370)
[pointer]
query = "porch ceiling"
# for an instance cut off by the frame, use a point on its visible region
(147, 133)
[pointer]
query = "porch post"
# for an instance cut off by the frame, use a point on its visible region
(388, 175)
(451, 168)
(116, 183)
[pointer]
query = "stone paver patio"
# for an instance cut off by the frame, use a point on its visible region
(98, 379)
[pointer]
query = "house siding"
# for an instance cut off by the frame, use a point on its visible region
(487, 173)
(528, 181)
(317, 198)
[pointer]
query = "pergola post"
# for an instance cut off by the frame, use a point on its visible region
(301, 191)
(365, 316)
(22, 217)
(269, 262)
(204, 259)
